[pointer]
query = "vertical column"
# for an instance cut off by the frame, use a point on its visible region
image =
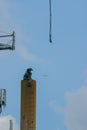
(28, 105)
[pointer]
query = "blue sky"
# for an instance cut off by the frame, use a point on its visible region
(62, 94)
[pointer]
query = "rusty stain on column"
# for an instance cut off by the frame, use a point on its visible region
(28, 105)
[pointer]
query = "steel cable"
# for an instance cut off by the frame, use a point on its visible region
(50, 27)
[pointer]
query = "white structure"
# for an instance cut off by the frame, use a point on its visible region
(2, 99)
(11, 125)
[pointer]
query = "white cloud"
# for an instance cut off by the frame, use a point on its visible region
(25, 54)
(55, 107)
(84, 75)
(5, 14)
(75, 111)
(4, 123)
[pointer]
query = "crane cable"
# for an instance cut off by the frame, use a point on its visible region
(50, 28)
